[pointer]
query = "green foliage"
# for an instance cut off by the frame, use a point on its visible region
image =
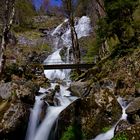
(24, 14)
(74, 75)
(137, 85)
(119, 23)
(72, 133)
(69, 134)
(88, 45)
(121, 136)
(105, 129)
(10, 70)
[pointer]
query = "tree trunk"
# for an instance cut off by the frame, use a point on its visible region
(8, 20)
(74, 38)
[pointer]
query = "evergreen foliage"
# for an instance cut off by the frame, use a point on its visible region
(119, 23)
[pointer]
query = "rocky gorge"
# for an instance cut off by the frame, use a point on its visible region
(96, 109)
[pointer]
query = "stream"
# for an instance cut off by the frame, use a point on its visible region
(41, 131)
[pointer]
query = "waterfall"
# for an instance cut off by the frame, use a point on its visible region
(41, 131)
(110, 134)
(34, 118)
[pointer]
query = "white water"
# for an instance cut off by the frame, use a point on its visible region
(42, 131)
(110, 134)
(34, 118)
(83, 28)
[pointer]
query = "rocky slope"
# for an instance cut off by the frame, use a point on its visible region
(98, 89)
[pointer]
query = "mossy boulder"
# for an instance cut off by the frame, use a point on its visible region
(130, 133)
(92, 113)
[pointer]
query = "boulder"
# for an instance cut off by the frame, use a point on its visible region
(17, 97)
(5, 90)
(93, 113)
(133, 111)
(79, 88)
(134, 106)
(130, 133)
(14, 121)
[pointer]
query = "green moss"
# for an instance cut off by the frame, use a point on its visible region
(73, 132)
(137, 85)
(105, 129)
(121, 136)
(4, 105)
(74, 75)
(69, 134)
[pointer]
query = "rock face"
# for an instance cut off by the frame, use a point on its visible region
(92, 113)
(16, 101)
(14, 121)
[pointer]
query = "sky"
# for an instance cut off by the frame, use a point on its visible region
(56, 2)
(53, 2)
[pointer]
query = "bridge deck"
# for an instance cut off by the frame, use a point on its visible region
(68, 66)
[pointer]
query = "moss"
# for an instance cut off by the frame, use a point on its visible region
(105, 129)
(4, 105)
(69, 134)
(30, 34)
(137, 85)
(73, 133)
(121, 136)
(74, 75)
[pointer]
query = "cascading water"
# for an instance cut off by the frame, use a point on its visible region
(110, 134)
(34, 121)
(42, 131)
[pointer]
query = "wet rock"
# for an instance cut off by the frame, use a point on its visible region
(57, 88)
(49, 98)
(133, 111)
(122, 125)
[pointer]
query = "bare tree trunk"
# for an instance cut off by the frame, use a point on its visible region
(8, 20)
(75, 44)
(74, 37)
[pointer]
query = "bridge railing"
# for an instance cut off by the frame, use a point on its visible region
(56, 61)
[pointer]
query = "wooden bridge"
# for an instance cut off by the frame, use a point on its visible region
(68, 66)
